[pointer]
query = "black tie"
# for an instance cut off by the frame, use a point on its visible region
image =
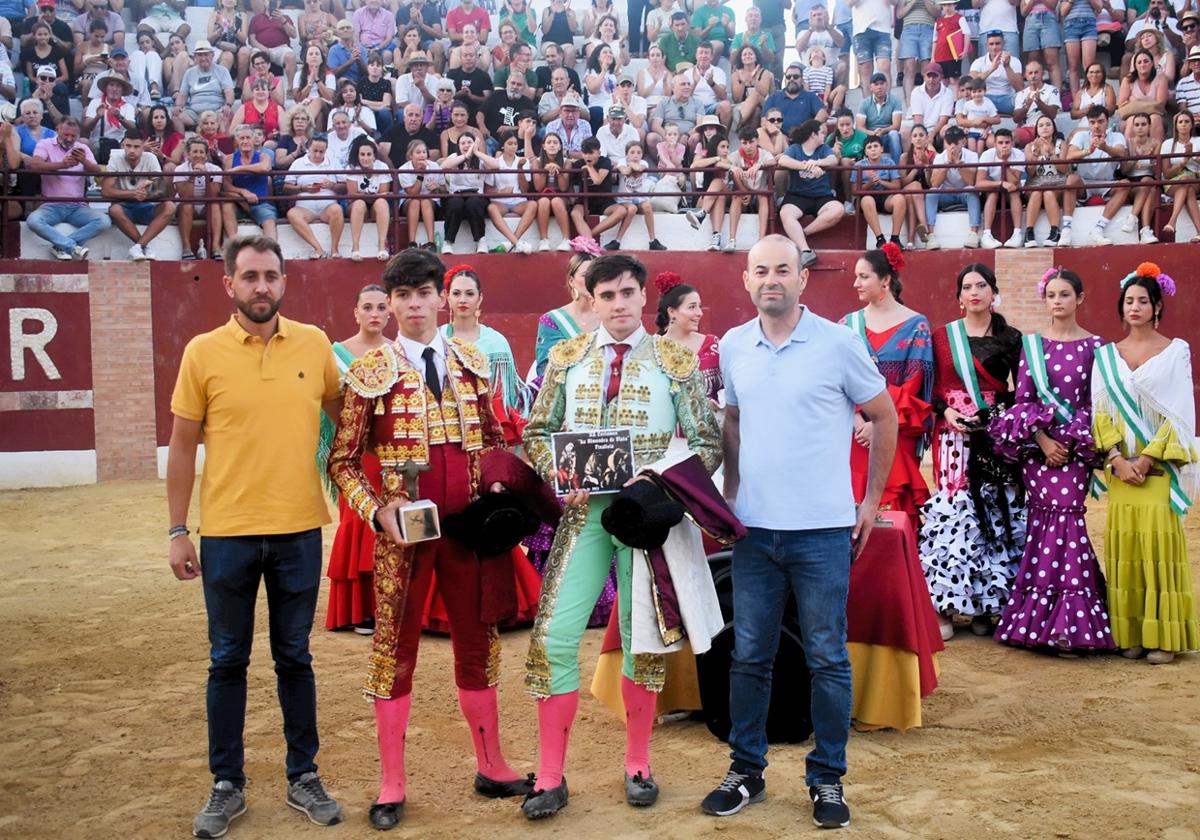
(432, 380)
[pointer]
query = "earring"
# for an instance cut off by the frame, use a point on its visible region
(672, 319)
(962, 307)
(574, 293)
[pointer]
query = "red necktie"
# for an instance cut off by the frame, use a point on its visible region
(614, 372)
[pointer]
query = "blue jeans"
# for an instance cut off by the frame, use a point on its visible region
(1080, 29)
(871, 44)
(1002, 101)
(231, 567)
(87, 222)
(815, 565)
(934, 201)
(1041, 31)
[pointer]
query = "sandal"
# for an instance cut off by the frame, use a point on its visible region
(922, 233)
(356, 256)
(319, 255)
(383, 255)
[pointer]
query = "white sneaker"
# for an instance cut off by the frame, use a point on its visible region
(481, 247)
(565, 245)
(730, 245)
(1130, 223)
(1147, 236)
(931, 243)
(1098, 238)
(447, 247)
(848, 206)
(524, 247)
(148, 253)
(715, 244)
(1032, 242)
(544, 245)
(695, 218)
(988, 241)
(972, 240)
(1015, 241)
(136, 253)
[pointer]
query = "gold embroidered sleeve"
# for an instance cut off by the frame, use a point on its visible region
(345, 459)
(545, 418)
(696, 418)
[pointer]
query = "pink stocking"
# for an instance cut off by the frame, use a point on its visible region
(639, 720)
(480, 709)
(555, 715)
(391, 724)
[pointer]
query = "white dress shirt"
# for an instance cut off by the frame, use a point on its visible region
(415, 351)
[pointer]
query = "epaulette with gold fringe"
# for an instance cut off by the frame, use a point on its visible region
(676, 361)
(472, 358)
(374, 373)
(570, 352)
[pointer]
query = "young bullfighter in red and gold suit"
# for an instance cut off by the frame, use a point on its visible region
(423, 405)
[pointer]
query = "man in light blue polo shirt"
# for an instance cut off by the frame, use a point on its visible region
(792, 382)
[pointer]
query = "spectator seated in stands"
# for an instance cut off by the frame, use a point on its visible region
(714, 24)
(120, 65)
(471, 81)
(914, 177)
(439, 114)
(315, 24)
(60, 30)
(570, 127)
(313, 85)
(98, 10)
(425, 18)
(65, 153)
(247, 182)
(809, 192)
(712, 165)
(347, 60)
(1000, 71)
(816, 32)
(880, 115)
(465, 200)
(165, 19)
(1140, 169)
(976, 114)
(260, 70)
(748, 176)
(197, 177)
(1143, 91)
(1181, 162)
(600, 80)
(1035, 100)
(1093, 153)
(770, 132)
(271, 31)
(634, 183)
(309, 177)
(341, 135)
(348, 99)
(849, 143)
(40, 53)
(710, 85)
(751, 84)
(1187, 91)
(448, 137)
(560, 25)
(131, 194)
(375, 28)
(636, 108)
(1047, 145)
(467, 12)
(471, 43)
(678, 45)
(207, 86)
(932, 104)
(755, 36)
(107, 119)
(521, 66)
(959, 177)
(418, 85)
(820, 79)
(162, 139)
(375, 93)
(395, 143)
(367, 190)
(616, 134)
(594, 173)
(423, 184)
(867, 181)
(1004, 170)
(681, 109)
(259, 109)
(91, 58)
(797, 105)
(43, 90)
(608, 34)
(504, 184)
(547, 175)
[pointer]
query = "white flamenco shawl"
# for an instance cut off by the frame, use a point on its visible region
(1162, 389)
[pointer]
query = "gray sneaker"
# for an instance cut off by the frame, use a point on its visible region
(225, 804)
(307, 794)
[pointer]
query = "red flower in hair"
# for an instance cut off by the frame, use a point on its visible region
(666, 281)
(895, 256)
(456, 270)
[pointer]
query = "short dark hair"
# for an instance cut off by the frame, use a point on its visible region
(133, 134)
(678, 16)
(612, 266)
(255, 242)
(1003, 132)
(1096, 112)
(590, 144)
(412, 269)
(747, 132)
(842, 112)
(873, 140)
(955, 133)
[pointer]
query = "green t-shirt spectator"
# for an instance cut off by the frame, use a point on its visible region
(500, 80)
(705, 13)
(762, 39)
(852, 146)
(675, 52)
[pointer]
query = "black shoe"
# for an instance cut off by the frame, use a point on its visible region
(385, 815)
(829, 806)
(640, 790)
(430, 246)
(502, 790)
(734, 793)
(879, 241)
(613, 245)
(540, 804)
(1053, 238)
(895, 240)
(655, 245)
(808, 258)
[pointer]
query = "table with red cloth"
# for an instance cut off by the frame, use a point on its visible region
(891, 628)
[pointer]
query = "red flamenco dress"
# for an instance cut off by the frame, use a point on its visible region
(352, 561)
(904, 355)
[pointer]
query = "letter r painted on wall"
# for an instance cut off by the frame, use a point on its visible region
(35, 342)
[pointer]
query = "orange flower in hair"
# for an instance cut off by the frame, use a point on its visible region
(1147, 269)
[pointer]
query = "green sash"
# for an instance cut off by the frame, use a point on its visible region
(960, 353)
(1035, 362)
(1106, 361)
(857, 321)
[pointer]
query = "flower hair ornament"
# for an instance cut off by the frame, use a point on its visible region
(1151, 270)
(585, 245)
(456, 270)
(666, 281)
(895, 256)
(1046, 278)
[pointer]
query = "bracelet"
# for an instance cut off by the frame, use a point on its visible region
(178, 531)
(1113, 454)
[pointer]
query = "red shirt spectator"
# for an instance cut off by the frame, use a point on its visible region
(460, 16)
(270, 30)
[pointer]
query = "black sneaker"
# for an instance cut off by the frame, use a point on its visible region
(655, 245)
(613, 245)
(384, 816)
(829, 806)
(880, 241)
(734, 793)
(1055, 235)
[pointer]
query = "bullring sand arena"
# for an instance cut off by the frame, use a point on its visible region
(102, 725)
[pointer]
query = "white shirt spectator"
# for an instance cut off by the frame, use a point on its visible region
(1175, 147)
(430, 178)
(6, 78)
(703, 91)
(1103, 167)
(338, 151)
(1046, 94)
(1187, 93)
(992, 173)
(468, 182)
(371, 184)
(872, 14)
(146, 164)
(998, 14)
(997, 80)
(932, 108)
(613, 147)
(184, 172)
(407, 90)
(954, 178)
(305, 173)
(104, 127)
(311, 92)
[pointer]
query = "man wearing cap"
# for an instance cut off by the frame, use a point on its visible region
(710, 84)
(1000, 71)
(130, 194)
(679, 45)
(347, 60)
(616, 134)
(206, 86)
(60, 30)
(108, 118)
(118, 61)
(418, 84)
(932, 103)
(375, 29)
(272, 32)
(165, 19)
(634, 105)
(98, 10)
(553, 54)
(65, 153)
(472, 83)
(795, 103)
(616, 376)
(880, 115)
(569, 127)
(1187, 90)
(501, 109)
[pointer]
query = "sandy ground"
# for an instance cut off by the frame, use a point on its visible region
(102, 729)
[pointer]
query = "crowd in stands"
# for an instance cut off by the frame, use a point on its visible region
(587, 117)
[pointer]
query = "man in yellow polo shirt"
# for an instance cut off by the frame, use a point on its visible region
(254, 389)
